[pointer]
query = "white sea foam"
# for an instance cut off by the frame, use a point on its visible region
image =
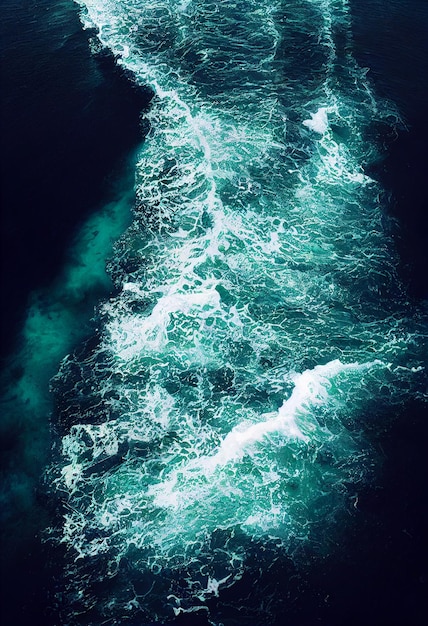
(318, 121)
(249, 326)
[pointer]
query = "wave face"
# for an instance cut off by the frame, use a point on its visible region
(258, 328)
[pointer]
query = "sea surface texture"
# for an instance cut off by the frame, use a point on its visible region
(223, 418)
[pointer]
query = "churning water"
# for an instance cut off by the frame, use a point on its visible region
(258, 328)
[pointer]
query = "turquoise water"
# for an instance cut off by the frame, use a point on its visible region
(257, 329)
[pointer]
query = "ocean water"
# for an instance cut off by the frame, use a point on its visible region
(228, 363)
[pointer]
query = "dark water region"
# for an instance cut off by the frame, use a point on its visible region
(68, 123)
(391, 40)
(383, 579)
(69, 120)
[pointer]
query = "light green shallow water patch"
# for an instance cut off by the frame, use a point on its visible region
(58, 319)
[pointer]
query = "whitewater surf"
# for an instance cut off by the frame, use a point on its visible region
(258, 326)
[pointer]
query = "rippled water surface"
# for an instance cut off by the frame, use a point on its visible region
(253, 339)
(258, 324)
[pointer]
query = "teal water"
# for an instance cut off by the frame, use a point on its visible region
(258, 331)
(238, 433)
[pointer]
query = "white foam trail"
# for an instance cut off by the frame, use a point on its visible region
(256, 251)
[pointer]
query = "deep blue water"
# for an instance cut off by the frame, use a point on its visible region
(70, 129)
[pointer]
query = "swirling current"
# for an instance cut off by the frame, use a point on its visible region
(258, 327)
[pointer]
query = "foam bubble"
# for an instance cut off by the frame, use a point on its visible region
(318, 121)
